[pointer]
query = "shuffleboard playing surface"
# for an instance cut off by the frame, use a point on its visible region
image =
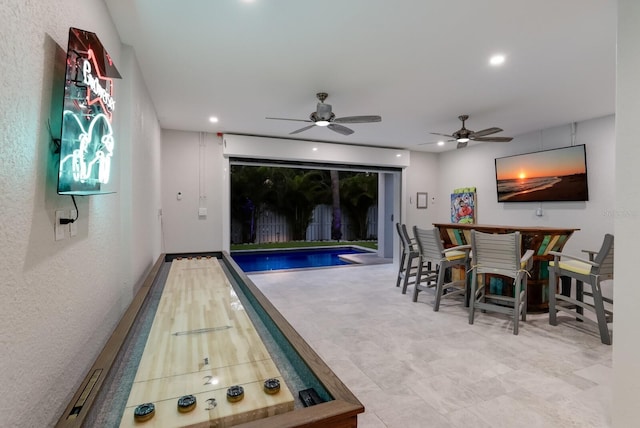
(201, 343)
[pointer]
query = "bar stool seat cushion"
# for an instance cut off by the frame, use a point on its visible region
(574, 266)
(454, 255)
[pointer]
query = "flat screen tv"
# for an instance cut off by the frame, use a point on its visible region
(87, 137)
(549, 175)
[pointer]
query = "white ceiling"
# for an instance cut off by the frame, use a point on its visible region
(417, 63)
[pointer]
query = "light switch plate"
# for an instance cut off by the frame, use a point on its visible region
(202, 212)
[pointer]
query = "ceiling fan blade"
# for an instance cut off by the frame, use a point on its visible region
(358, 119)
(434, 142)
(302, 129)
(295, 120)
(493, 139)
(444, 135)
(487, 131)
(461, 145)
(340, 129)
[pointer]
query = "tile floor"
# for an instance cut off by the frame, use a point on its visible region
(412, 367)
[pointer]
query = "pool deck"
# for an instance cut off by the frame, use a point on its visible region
(366, 259)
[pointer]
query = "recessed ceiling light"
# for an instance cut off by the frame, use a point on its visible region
(441, 143)
(213, 119)
(315, 149)
(497, 60)
(398, 155)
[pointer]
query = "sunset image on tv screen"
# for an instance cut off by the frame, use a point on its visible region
(551, 175)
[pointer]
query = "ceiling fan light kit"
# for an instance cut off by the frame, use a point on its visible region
(464, 135)
(324, 117)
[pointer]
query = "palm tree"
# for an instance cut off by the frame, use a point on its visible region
(358, 193)
(250, 194)
(296, 193)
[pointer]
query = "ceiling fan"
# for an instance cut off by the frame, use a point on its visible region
(464, 135)
(323, 116)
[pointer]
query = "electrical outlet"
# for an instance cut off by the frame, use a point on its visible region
(73, 227)
(59, 228)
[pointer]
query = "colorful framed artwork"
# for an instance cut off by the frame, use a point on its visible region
(463, 207)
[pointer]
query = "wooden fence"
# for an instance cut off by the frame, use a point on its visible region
(273, 227)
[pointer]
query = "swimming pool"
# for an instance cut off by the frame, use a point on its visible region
(265, 260)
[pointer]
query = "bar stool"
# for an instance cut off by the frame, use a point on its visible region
(598, 268)
(406, 271)
(499, 254)
(442, 260)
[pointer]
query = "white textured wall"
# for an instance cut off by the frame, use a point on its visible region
(422, 176)
(198, 173)
(60, 300)
(626, 346)
(474, 166)
(140, 178)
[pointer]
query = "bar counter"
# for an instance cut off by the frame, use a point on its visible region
(539, 239)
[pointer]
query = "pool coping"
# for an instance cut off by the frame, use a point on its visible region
(368, 257)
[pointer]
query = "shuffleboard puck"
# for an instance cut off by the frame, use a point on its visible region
(235, 393)
(272, 386)
(144, 412)
(186, 403)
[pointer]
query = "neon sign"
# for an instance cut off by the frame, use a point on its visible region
(91, 149)
(87, 143)
(103, 93)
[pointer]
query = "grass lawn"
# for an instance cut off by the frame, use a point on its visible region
(303, 244)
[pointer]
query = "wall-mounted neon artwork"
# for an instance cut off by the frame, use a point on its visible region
(87, 142)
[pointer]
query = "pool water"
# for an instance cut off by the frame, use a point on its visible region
(257, 261)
